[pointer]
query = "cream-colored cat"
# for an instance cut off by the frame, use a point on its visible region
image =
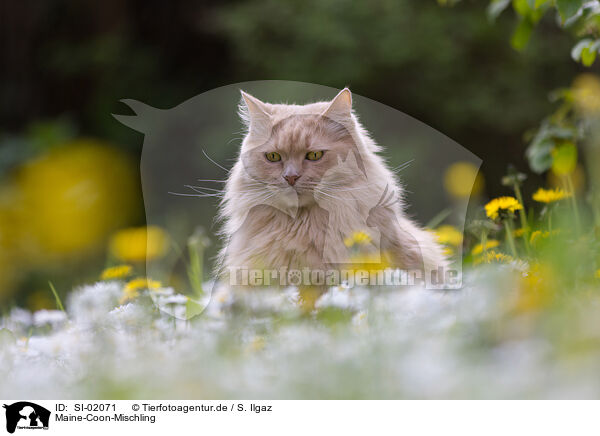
(308, 177)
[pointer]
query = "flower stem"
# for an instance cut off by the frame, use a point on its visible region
(571, 190)
(523, 218)
(509, 237)
(484, 241)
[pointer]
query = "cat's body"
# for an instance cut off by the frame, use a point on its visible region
(307, 178)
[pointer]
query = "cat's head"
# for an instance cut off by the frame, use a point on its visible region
(301, 150)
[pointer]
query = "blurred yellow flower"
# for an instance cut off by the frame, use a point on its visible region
(598, 273)
(492, 256)
(462, 179)
(490, 243)
(502, 205)
(68, 200)
(586, 93)
(116, 272)
(550, 195)
(449, 235)
(139, 244)
(448, 252)
(9, 259)
(357, 238)
(539, 235)
(519, 232)
(133, 287)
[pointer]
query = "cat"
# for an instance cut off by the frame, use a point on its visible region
(307, 177)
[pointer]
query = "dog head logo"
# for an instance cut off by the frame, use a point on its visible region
(26, 415)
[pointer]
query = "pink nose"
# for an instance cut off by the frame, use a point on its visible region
(291, 179)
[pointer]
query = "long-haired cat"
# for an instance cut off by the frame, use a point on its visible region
(307, 178)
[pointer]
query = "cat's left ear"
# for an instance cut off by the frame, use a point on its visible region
(256, 116)
(340, 108)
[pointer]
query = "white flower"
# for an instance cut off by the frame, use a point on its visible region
(52, 317)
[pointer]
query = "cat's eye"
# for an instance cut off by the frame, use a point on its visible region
(314, 155)
(273, 157)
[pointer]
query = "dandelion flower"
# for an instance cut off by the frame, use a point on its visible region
(132, 288)
(550, 195)
(116, 272)
(494, 257)
(139, 244)
(357, 238)
(449, 235)
(479, 248)
(502, 205)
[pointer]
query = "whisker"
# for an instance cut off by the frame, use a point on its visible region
(198, 188)
(193, 195)
(211, 180)
(402, 166)
(217, 164)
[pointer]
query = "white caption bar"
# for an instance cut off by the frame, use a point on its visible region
(23, 417)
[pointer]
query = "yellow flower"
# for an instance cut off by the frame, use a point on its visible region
(490, 243)
(463, 179)
(139, 244)
(550, 195)
(132, 288)
(538, 235)
(502, 205)
(449, 235)
(357, 238)
(448, 252)
(586, 92)
(493, 257)
(69, 199)
(116, 272)
(598, 274)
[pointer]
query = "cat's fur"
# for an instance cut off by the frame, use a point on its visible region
(270, 224)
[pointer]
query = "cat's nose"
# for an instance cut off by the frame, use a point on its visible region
(291, 178)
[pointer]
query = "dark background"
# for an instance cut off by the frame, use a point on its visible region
(449, 67)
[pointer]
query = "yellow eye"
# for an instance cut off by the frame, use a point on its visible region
(314, 155)
(273, 157)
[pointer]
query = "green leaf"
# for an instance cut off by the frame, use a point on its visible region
(568, 8)
(588, 56)
(521, 7)
(540, 157)
(578, 48)
(521, 36)
(564, 158)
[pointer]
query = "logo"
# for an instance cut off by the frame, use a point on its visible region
(26, 415)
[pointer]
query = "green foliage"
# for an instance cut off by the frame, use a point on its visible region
(539, 151)
(568, 8)
(585, 51)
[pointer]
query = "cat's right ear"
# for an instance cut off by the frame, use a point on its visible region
(255, 114)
